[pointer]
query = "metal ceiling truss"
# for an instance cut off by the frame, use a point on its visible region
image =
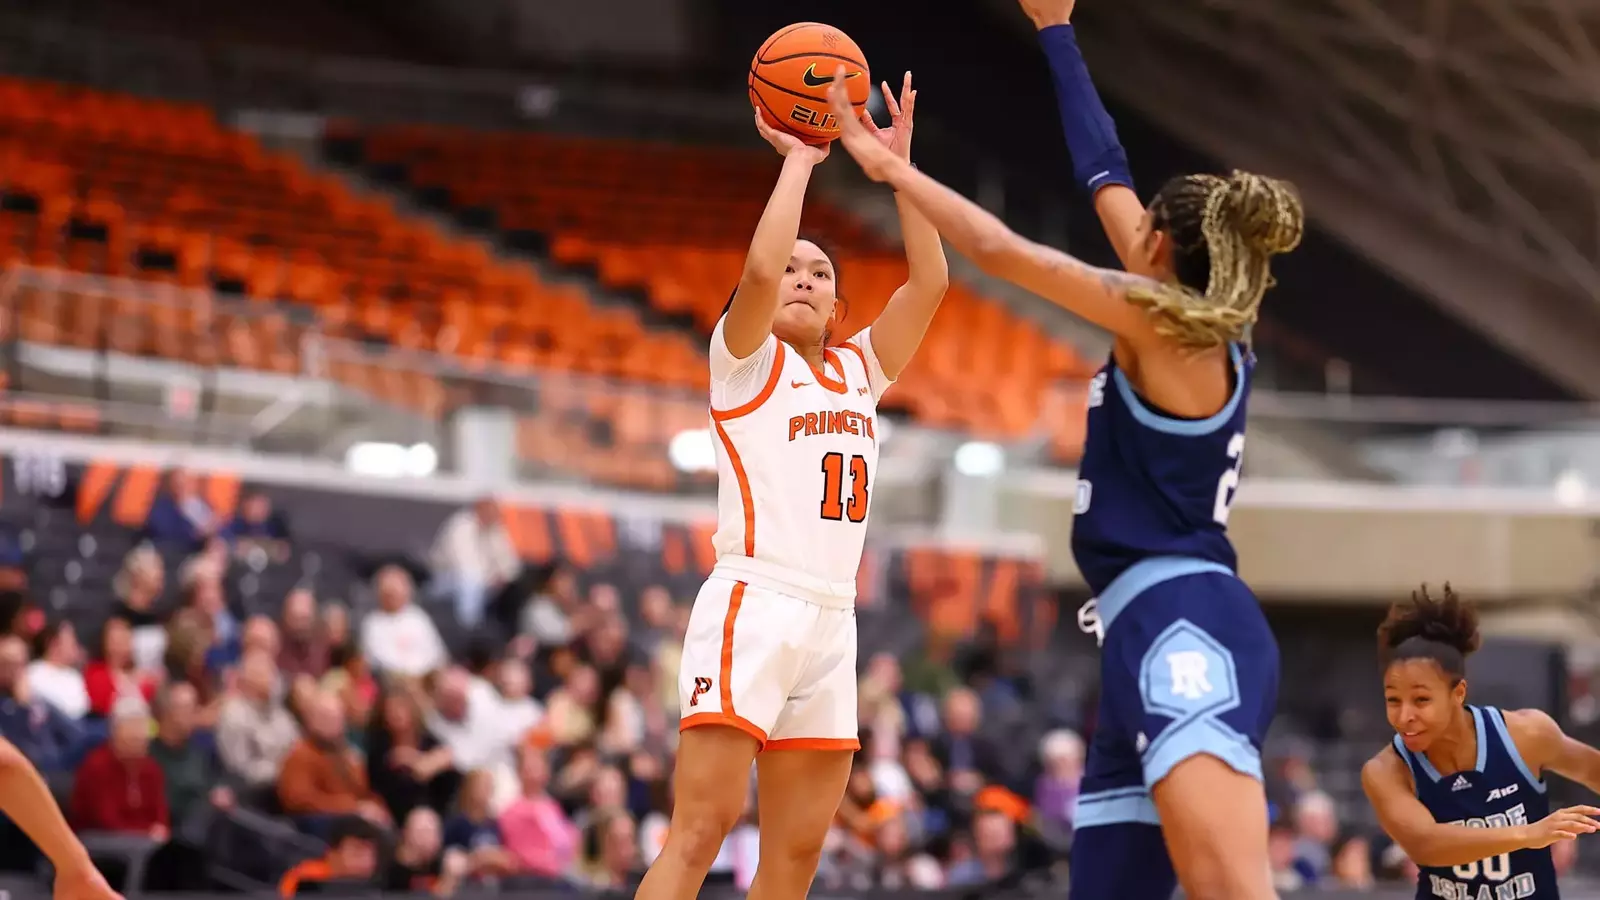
(1481, 115)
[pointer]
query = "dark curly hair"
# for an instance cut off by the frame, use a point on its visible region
(1441, 629)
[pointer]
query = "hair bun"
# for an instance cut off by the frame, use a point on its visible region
(1266, 212)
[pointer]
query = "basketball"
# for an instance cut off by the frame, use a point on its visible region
(790, 74)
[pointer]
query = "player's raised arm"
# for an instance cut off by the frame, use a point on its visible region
(26, 800)
(755, 302)
(1099, 164)
(1546, 746)
(1099, 295)
(1385, 779)
(899, 329)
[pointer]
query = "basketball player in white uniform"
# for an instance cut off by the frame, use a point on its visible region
(769, 663)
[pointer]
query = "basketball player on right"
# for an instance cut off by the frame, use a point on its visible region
(769, 661)
(1172, 788)
(1461, 789)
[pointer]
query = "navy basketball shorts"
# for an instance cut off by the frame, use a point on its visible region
(1188, 667)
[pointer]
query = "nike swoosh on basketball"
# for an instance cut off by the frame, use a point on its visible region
(812, 79)
(799, 384)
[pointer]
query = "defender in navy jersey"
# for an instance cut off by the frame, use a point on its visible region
(1189, 671)
(1461, 788)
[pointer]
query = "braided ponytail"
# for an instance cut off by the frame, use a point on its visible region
(1225, 232)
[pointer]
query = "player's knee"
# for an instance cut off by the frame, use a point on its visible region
(1215, 878)
(696, 839)
(799, 853)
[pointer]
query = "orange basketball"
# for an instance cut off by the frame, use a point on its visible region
(790, 74)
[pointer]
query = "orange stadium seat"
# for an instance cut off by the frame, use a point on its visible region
(162, 192)
(673, 222)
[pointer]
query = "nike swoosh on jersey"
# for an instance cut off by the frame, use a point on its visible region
(812, 79)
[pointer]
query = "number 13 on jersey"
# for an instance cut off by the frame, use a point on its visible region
(835, 506)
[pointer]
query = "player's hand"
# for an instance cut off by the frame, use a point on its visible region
(787, 144)
(83, 883)
(897, 136)
(874, 156)
(1563, 825)
(1045, 13)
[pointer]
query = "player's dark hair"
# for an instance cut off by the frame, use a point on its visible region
(1224, 233)
(1441, 629)
(352, 828)
(827, 250)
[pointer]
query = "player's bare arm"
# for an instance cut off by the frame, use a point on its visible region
(1546, 747)
(899, 329)
(755, 303)
(26, 800)
(1098, 295)
(1387, 783)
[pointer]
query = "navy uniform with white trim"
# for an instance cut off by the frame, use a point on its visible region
(1500, 791)
(1189, 665)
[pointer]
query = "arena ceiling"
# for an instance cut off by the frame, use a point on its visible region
(1474, 120)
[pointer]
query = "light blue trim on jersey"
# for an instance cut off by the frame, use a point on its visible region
(1118, 806)
(1483, 750)
(1499, 723)
(1203, 735)
(1144, 575)
(1151, 419)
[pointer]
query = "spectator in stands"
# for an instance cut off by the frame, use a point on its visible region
(1316, 819)
(254, 731)
(188, 769)
(46, 737)
(323, 777)
(536, 830)
(114, 677)
(522, 713)
(548, 616)
(305, 646)
(610, 852)
(398, 638)
(352, 859)
(608, 793)
(54, 676)
(189, 640)
(1055, 793)
(474, 831)
(349, 679)
(406, 766)
(421, 863)
(138, 587)
(205, 600)
(1286, 875)
(180, 516)
(933, 793)
(967, 756)
(656, 620)
(119, 788)
(472, 725)
(257, 526)
(993, 860)
(571, 708)
(473, 559)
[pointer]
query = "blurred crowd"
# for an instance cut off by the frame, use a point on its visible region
(468, 719)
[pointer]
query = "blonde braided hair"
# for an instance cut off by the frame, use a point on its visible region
(1225, 231)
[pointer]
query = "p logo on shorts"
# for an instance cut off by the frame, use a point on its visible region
(1186, 674)
(701, 686)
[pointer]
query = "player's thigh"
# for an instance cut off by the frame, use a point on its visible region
(710, 787)
(1214, 819)
(797, 796)
(1193, 667)
(740, 661)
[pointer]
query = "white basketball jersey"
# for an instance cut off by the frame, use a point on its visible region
(797, 453)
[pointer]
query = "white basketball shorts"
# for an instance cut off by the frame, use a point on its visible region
(779, 668)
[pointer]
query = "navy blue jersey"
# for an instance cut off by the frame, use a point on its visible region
(1499, 791)
(1153, 485)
